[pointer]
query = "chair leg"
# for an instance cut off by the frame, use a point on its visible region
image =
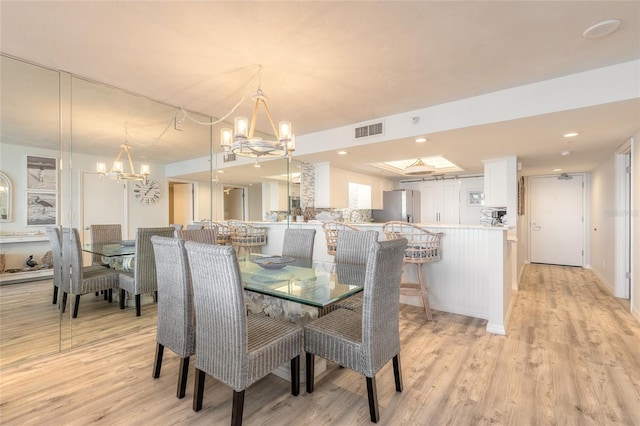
(397, 372)
(55, 295)
(238, 408)
(183, 372)
(137, 305)
(310, 358)
(424, 291)
(157, 363)
(110, 295)
(76, 305)
(295, 376)
(105, 295)
(372, 393)
(123, 294)
(198, 390)
(64, 301)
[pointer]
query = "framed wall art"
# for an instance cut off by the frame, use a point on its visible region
(6, 195)
(475, 197)
(42, 208)
(42, 173)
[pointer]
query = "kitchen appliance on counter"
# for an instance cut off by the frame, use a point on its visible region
(493, 216)
(400, 204)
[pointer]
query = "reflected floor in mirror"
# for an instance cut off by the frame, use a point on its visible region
(30, 325)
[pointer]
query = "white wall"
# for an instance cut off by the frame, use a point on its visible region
(602, 226)
(470, 215)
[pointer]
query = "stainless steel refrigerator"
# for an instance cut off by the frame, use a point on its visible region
(401, 204)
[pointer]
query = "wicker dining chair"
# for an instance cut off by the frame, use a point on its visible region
(83, 280)
(331, 231)
(198, 225)
(176, 316)
(177, 226)
(298, 243)
(352, 250)
(104, 234)
(234, 347)
(205, 235)
(364, 340)
(54, 233)
(143, 278)
(423, 247)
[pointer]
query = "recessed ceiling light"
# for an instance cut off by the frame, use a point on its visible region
(342, 152)
(601, 29)
(565, 153)
(570, 135)
(557, 170)
(421, 140)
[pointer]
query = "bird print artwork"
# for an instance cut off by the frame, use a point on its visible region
(43, 203)
(42, 208)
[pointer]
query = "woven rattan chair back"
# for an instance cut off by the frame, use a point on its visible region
(176, 315)
(353, 246)
(104, 234)
(205, 235)
(298, 243)
(331, 231)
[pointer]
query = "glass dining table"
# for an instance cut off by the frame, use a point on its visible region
(118, 255)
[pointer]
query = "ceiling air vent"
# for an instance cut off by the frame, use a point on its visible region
(369, 130)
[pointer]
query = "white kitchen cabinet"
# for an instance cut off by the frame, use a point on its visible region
(440, 201)
(500, 185)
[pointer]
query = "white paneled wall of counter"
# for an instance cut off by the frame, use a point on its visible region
(473, 278)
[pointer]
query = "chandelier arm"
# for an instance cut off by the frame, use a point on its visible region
(273, 126)
(254, 117)
(130, 160)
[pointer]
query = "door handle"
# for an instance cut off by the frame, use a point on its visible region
(536, 227)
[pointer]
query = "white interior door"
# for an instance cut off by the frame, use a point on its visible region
(103, 202)
(182, 203)
(556, 221)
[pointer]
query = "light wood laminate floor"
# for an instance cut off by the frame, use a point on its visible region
(571, 357)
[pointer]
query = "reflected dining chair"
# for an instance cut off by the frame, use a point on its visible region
(198, 225)
(83, 279)
(143, 278)
(364, 340)
(205, 235)
(177, 226)
(423, 247)
(54, 234)
(331, 231)
(104, 234)
(176, 317)
(223, 232)
(298, 243)
(352, 250)
(234, 347)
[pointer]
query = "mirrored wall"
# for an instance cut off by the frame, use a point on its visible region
(55, 129)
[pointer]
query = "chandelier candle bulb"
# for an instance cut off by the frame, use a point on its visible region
(144, 169)
(285, 130)
(101, 168)
(241, 127)
(117, 167)
(226, 137)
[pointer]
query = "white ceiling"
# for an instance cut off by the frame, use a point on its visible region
(332, 64)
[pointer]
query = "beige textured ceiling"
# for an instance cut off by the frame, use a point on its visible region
(332, 64)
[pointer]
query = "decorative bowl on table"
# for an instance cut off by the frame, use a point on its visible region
(127, 243)
(273, 262)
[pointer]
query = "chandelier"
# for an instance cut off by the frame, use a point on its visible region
(243, 142)
(117, 169)
(419, 168)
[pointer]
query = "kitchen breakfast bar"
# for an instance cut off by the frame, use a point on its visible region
(474, 277)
